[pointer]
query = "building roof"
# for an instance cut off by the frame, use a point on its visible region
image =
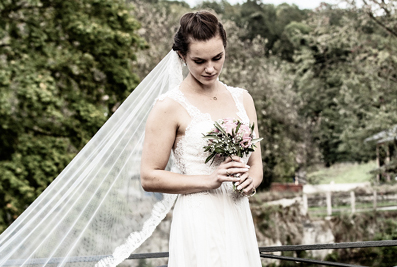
(384, 136)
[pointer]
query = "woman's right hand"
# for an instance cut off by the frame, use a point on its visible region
(226, 172)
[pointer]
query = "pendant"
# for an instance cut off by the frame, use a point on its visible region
(215, 98)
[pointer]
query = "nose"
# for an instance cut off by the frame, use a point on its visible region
(209, 68)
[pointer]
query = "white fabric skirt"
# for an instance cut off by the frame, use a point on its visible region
(213, 229)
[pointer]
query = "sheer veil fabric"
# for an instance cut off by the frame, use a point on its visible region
(96, 212)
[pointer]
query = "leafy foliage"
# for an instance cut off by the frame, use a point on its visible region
(322, 80)
(346, 77)
(377, 226)
(64, 68)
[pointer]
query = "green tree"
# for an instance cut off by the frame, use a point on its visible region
(346, 72)
(270, 22)
(65, 66)
(159, 23)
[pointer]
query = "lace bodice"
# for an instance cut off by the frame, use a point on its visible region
(213, 227)
(189, 155)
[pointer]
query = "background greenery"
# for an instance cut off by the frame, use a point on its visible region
(64, 68)
(323, 80)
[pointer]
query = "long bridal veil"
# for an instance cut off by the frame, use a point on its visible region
(95, 211)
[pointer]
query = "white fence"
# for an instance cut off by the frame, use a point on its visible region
(348, 202)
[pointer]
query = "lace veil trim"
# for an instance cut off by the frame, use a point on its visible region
(136, 239)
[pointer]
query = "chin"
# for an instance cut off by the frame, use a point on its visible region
(209, 81)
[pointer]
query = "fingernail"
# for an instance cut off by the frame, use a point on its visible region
(241, 160)
(236, 183)
(248, 166)
(238, 187)
(245, 169)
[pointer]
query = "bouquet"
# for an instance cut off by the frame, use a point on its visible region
(230, 137)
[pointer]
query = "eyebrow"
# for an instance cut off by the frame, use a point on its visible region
(197, 58)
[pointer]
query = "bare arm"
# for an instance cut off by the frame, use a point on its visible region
(161, 130)
(255, 160)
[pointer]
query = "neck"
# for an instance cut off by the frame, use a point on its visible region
(195, 86)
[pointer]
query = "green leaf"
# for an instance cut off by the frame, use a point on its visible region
(210, 157)
(211, 137)
(219, 150)
(238, 126)
(253, 141)
(219, 127)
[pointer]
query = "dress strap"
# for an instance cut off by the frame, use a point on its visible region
(177, 95)
(238, 96)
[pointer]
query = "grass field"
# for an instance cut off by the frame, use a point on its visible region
(342, 173)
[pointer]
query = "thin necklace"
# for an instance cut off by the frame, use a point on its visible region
(213, 97)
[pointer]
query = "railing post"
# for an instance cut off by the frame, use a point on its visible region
(305, 204)
(353, 201)
(375, 200)
(377, 163)
(329, 203)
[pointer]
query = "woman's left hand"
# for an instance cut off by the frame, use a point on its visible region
(246, 185)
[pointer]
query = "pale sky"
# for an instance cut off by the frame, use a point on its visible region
(302, 4)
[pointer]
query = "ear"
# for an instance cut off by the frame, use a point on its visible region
(181, 57)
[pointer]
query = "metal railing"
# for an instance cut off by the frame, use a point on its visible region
(264, 250)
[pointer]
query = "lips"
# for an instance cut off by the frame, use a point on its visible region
(209, 77)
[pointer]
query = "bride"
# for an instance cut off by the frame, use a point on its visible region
(212, 224)
(96, 212)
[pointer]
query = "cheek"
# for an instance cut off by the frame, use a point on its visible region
(197, 69)
(221, 62)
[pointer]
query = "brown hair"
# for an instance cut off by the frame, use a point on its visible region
(200, 26)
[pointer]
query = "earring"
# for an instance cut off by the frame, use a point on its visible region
(184, 63)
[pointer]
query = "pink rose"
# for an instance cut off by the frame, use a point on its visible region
(244, 129)
(229, 126)
(246, 142)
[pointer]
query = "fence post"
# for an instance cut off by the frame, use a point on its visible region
(353, 201)
(377, 163)
(375, 199)
(305, 204)
(329, 203)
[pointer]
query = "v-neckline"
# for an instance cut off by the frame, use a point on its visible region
(207, 114)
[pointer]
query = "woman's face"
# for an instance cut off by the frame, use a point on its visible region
(205, 60)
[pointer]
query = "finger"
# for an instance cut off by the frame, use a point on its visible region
(235, 171)
(227, 159)
(224, 178)
(249, 191)
(238, 159)
(245, 185)
(235, 164)
(228, 175)
(243, 177)
(233, 158)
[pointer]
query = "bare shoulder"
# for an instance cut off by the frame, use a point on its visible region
(249, 105)
(165, 111)
(165, 105)
(248, 100)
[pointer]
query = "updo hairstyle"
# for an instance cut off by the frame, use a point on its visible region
(199, 26)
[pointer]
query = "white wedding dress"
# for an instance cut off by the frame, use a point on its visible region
(212, 228)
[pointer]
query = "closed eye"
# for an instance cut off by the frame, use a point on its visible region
(216, 58)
